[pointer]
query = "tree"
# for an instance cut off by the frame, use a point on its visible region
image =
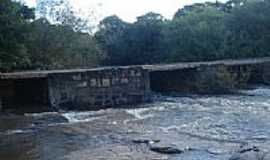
(145, 40)
(14, 20)
(111, 37)
(136, 43)
(60, 47)
(198, 32)
(248, 32)
(196, 35)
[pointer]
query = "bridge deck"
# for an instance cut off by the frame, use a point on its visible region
(229, 62)
(157, 67)
(45, 73)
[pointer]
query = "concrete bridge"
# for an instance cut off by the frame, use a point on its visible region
(88, 89)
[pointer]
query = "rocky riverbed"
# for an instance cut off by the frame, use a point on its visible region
(227, 127)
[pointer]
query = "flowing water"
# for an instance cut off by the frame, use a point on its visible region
(205, 127)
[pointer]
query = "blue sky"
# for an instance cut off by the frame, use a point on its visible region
(128, 10)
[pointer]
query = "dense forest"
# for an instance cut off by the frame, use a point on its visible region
(57, 38)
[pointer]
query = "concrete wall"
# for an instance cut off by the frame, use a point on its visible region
(97, 89)
(207, 78)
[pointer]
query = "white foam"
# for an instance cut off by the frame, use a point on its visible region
(138, 113)
(170, 128)
(257, 92)
(39, 114)
(144, 113)
(79, 117)
(16, 131)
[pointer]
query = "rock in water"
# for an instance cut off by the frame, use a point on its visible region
(158, 148)
(145, 141)
(165, 150)
(248, 153)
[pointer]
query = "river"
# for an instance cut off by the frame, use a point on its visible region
(203, 127)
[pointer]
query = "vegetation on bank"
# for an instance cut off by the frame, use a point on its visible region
(198, 32)
(30, 43)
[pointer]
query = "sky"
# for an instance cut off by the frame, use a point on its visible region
(128, 10)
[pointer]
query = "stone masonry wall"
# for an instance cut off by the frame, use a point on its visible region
(206, 78)
(97, 89)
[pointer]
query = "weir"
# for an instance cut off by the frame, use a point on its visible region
(90, 89)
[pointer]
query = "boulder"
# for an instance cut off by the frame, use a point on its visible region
(166, 150)
(145, 141)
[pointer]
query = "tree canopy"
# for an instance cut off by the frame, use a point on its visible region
(58, 38)
(30, 43)
(14, 18)
(198, 32)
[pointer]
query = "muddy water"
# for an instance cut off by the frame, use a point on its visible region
(204, 127)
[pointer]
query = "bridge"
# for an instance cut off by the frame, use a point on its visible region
(88, 89)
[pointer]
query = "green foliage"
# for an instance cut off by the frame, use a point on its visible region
(26, 43)
(248, 33)
(197, 35)
(137, 43)
(56, 47)
(14, 18)
(144, 40)
(111, 38)
(198, 32)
